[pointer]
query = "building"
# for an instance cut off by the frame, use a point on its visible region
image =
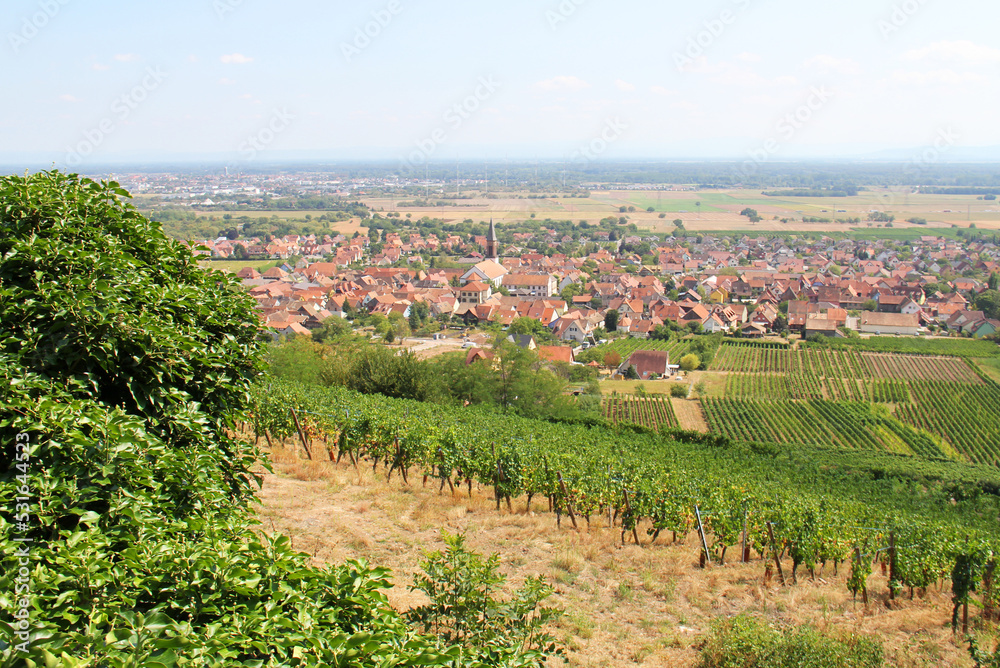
(487, 271)
(890, 323)
(648, 363)
(530, 285)
(474, 292)
(491, 242)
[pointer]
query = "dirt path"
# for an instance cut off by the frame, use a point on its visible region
(689, 415)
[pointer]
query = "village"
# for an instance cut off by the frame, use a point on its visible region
(749, 287)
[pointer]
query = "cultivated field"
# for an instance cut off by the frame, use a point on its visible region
(719, 209)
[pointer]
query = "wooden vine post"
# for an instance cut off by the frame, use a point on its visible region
(745, 552)
(302, 435)
(892, 566)
(569, 503)
(706, 558)
(777, 557)
(628, 508)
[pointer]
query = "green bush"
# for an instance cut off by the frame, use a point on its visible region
(679, 391)
(124, 368)
(747, 642)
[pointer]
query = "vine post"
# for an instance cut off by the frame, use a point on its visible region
(701, 533)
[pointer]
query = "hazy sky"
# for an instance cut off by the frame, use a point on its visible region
(88, 81)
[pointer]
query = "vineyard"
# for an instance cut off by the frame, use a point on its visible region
(843, 364)
(932, 406)
(676, 348)
(646, 412)
(807, 504)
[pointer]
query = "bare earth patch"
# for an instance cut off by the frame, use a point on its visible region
(624, 605)
(690, 415)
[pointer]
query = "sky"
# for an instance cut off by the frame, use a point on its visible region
(98, 81)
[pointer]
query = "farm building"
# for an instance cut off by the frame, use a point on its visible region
(890, 323)
(648, 363)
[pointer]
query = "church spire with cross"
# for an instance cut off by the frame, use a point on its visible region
(491, 242)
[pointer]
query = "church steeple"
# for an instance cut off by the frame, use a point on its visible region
(491, 242)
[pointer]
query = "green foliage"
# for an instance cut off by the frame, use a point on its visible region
(611, 320)
(123, 369)
(331, 329)
(690, 362)
(678, 391)
(464, 610)
(747, 642)
(988, 301)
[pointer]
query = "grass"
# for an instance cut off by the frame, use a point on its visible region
(657, 387)
(234, 266)
(623, 604)
(990, 366)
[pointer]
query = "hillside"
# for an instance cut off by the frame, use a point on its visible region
(625, 605)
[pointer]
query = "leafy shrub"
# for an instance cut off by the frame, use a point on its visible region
(747, 642)
(678, 390)
(690, 362)
(124, 368)
(463, 609)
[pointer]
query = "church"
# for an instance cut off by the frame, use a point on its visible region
(488, 271)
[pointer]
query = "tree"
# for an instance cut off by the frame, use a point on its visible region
(988, 301)
(612, 360)
(611, 320)
(690, 362)
(994, 281)
(135, 372)
(869, 305)
(632, 373)
(240, 252)
(462, 586)
(331, 329)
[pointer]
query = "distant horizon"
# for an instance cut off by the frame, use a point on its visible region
(387, 80)
(295, 159)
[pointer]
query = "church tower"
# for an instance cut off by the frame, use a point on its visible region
(491, 242)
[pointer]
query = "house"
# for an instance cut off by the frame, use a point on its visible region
(530, 285)
(648, 363)
(987, 327)
(556, 354)
(474, 292)
(819, 324)
(890, 323)
(486, 271)
(720, 295)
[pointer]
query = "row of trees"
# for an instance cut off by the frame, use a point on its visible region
(512, 378)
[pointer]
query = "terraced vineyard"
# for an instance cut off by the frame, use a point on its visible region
(644, 411)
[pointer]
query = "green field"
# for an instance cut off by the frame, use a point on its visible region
(235, 265)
